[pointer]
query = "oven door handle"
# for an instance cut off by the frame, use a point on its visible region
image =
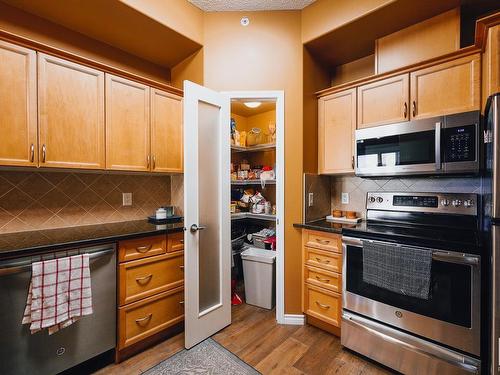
(444, 256)
(454, 360)
(15, 267)
(457, 258)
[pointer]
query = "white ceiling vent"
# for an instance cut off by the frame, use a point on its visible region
(249, 5)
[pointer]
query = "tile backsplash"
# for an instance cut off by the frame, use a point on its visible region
(45, 200)
(358, 187)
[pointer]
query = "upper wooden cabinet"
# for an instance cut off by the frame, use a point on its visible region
(18, 114)
(166, 132)
(127, 125)
(446, 88)
(71, 114)
(337, 123)
(383, 102)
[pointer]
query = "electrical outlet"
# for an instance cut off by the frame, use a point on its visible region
(345, 198)
(310, 200)
(127, 199)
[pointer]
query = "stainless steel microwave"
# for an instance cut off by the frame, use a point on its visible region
(434, 146)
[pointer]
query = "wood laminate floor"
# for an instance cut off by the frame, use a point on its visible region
(255, 337)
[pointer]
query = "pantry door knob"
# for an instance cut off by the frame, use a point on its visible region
(194, 228)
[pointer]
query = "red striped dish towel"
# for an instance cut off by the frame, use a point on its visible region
(59, 293)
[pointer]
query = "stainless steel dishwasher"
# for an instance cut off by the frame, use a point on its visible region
(24, 353)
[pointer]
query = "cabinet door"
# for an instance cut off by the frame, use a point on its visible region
(337, 123)
(166, 132)
(451, 87)
(18, 116)
(127, 125)
(71, 111)
(383, 102)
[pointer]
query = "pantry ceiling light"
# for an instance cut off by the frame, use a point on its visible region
(253, 104)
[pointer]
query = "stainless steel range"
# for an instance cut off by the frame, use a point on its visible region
(438, 330)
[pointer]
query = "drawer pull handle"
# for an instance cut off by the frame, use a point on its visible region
(145, 319)
(181, 267)
(32, 153)
(405, 110)
(181, 241)
(323, 306)
(324, 261)
(414, 108)
(322, 280)
(144, 279)
(181, 303)
(323, 242)
(143, 249)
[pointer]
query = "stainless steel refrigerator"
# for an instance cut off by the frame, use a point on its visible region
(491, 225)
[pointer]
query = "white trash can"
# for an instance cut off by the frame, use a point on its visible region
(259, 271)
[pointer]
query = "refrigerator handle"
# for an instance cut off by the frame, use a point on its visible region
(496, 153)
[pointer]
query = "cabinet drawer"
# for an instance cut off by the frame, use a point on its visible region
(322, 278)
(323, 259)
(145, 277)
(322, 241)
(323, 304)
(175, 242)
(142, 247)
(149, 316)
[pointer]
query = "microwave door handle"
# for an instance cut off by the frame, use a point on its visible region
(437, 146)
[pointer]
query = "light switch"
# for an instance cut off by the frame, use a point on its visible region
(127, 199)
(310, 200)
(345, 198)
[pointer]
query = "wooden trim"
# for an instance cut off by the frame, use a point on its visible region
(482, 26)
(407, 69)
(57, 52)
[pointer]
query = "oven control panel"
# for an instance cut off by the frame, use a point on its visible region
(450, 203)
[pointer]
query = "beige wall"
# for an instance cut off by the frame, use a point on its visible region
(179, 15)
(266, 55)
(40, 30)
(323, 16)
(190, 69)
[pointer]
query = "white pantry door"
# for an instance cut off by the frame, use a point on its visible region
(207, 195)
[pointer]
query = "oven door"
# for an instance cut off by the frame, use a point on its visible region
(407, 148)
(450, 316)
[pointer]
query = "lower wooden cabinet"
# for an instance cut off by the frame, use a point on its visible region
(150, 290)
(144, 318)
(322, 279)
(322, 304)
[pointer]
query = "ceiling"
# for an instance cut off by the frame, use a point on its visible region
(241, 109)
(249, 5)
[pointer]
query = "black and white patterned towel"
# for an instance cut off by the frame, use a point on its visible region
(400, 269)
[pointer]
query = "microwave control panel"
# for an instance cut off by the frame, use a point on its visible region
(459, 144)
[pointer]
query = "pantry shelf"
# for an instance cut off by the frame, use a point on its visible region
(252, 182)
(262, 147)
(249, 215)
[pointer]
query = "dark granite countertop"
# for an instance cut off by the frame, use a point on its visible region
(327, 226)
(33, 242)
